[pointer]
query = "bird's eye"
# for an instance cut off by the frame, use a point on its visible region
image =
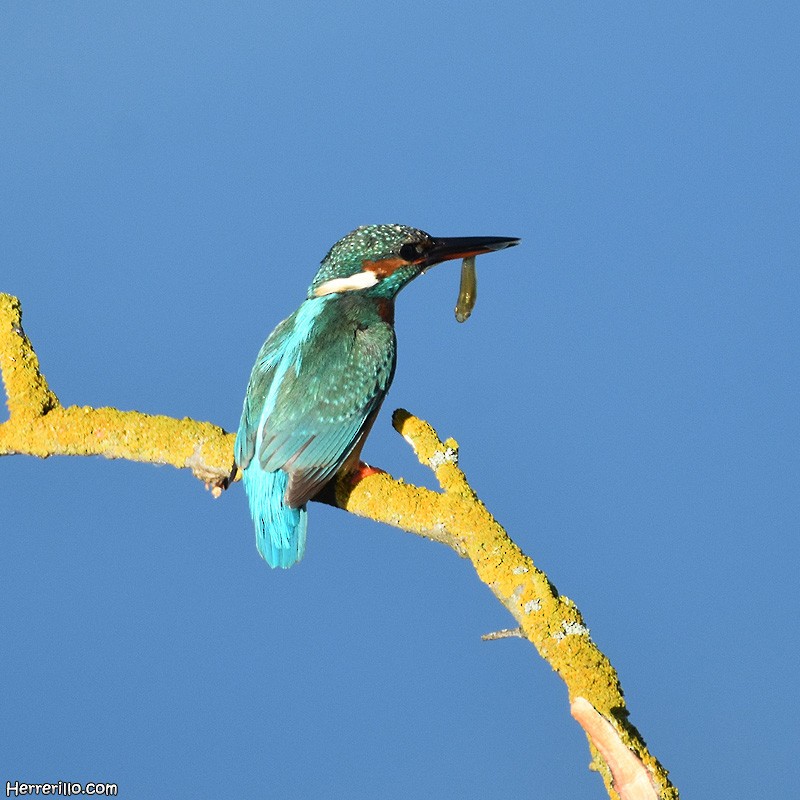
(412, 252)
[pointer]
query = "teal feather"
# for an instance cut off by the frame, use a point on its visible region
(320, 378)
(315, 389)
(280, 530)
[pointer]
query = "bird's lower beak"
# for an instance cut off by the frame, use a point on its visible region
(465, 246)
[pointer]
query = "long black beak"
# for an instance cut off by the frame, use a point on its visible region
(464, 246)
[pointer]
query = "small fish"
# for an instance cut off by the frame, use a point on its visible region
(468, 290)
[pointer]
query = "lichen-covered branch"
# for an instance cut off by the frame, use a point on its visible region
(551, 622)
(39, 425)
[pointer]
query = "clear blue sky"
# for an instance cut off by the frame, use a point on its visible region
(625, 394)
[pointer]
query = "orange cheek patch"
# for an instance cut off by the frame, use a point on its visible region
(384, 267)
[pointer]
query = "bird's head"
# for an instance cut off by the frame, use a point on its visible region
(382, 259)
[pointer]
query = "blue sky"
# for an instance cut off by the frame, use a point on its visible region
(625, 394)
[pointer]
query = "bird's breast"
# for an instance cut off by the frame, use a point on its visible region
(385, 310)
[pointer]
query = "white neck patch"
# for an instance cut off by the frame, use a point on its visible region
(361, 280)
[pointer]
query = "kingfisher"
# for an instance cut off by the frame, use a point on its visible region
(321, 376)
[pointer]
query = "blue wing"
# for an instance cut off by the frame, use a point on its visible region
(315, 390)
(273, 360)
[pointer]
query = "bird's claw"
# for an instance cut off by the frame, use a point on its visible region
(363, 470)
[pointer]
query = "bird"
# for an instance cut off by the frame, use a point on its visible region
(321, 376)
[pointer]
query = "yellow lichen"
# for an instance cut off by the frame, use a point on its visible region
(38, 425)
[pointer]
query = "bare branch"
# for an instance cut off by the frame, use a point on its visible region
(630, 778)
(505, 633)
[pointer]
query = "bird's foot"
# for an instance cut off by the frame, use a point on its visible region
(348, 478)
(363, 470)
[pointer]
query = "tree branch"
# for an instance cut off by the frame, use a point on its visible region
(39, 425)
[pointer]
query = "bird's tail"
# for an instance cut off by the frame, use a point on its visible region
(280, 530)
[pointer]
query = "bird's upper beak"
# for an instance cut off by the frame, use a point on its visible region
(465, 246)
